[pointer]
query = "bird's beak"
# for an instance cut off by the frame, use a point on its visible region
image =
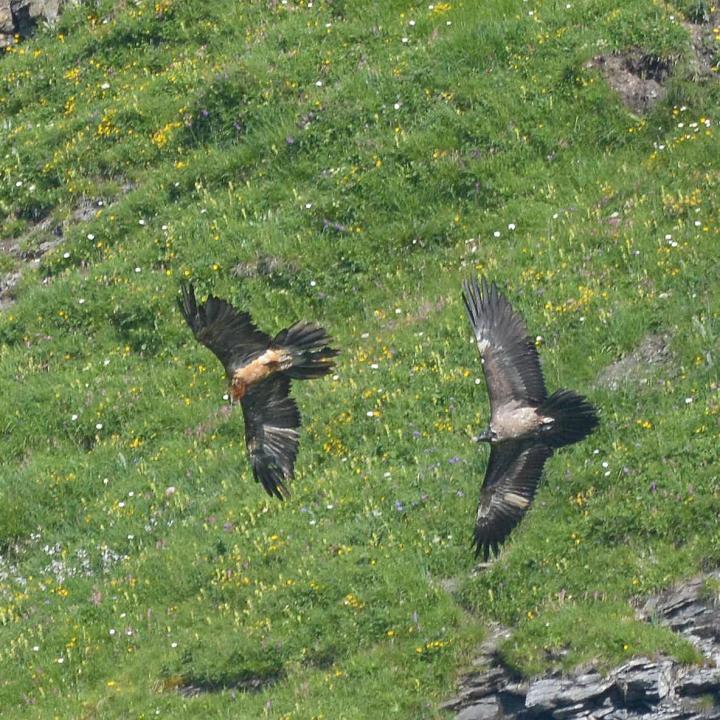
(484, 436)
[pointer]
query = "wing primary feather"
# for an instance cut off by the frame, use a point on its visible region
(188, 305)
(511, 480)
(511, 363)
(227, 332)
(272, 420)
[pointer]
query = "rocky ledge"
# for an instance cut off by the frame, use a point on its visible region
(642, 689)
(19, 17)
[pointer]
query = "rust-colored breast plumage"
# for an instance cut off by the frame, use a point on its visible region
(270, 362)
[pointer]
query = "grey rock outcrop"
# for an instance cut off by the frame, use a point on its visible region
(19, 17)
(685, 610)
(641, 689)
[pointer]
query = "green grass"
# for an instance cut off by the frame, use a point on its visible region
(604, 634)
(377, 163)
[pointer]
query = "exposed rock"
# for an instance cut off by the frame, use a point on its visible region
(262, 266)
(702, 28)
(548, 695)
(637, 78)
(6, 20)
(38, 239)
(685, 610)
(485, 709)
(8, 281)
(703, 682)
(86, 210)
(29, 257)
(641, 689)
(20, 17)
(642, 682)
(652, 354)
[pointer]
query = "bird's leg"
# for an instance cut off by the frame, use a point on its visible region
(485, 436)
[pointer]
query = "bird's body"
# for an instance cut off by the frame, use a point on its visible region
(516, 420)
(259, 370)
(526, 426)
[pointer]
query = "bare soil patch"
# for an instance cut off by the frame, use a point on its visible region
(638, 79)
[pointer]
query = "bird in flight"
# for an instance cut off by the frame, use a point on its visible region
(526, 426)
(259, 369)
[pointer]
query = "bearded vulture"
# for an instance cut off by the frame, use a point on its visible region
(526, 426)
(259, 370)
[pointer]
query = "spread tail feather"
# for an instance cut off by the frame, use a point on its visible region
(308, 344)
(574, 418)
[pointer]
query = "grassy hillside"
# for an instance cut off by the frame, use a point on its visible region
(348, 162)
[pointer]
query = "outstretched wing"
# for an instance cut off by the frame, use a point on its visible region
(511, 479)
(230, 334)
(510, 360)
(272, 420)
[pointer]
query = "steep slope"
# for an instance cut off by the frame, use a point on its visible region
(349, 163)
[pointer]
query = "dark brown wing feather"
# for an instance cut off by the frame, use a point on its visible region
(230, 334)
(510, 360)
(511, 479)
(272, 420)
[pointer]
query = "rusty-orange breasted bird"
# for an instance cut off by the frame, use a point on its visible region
(259, 369)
